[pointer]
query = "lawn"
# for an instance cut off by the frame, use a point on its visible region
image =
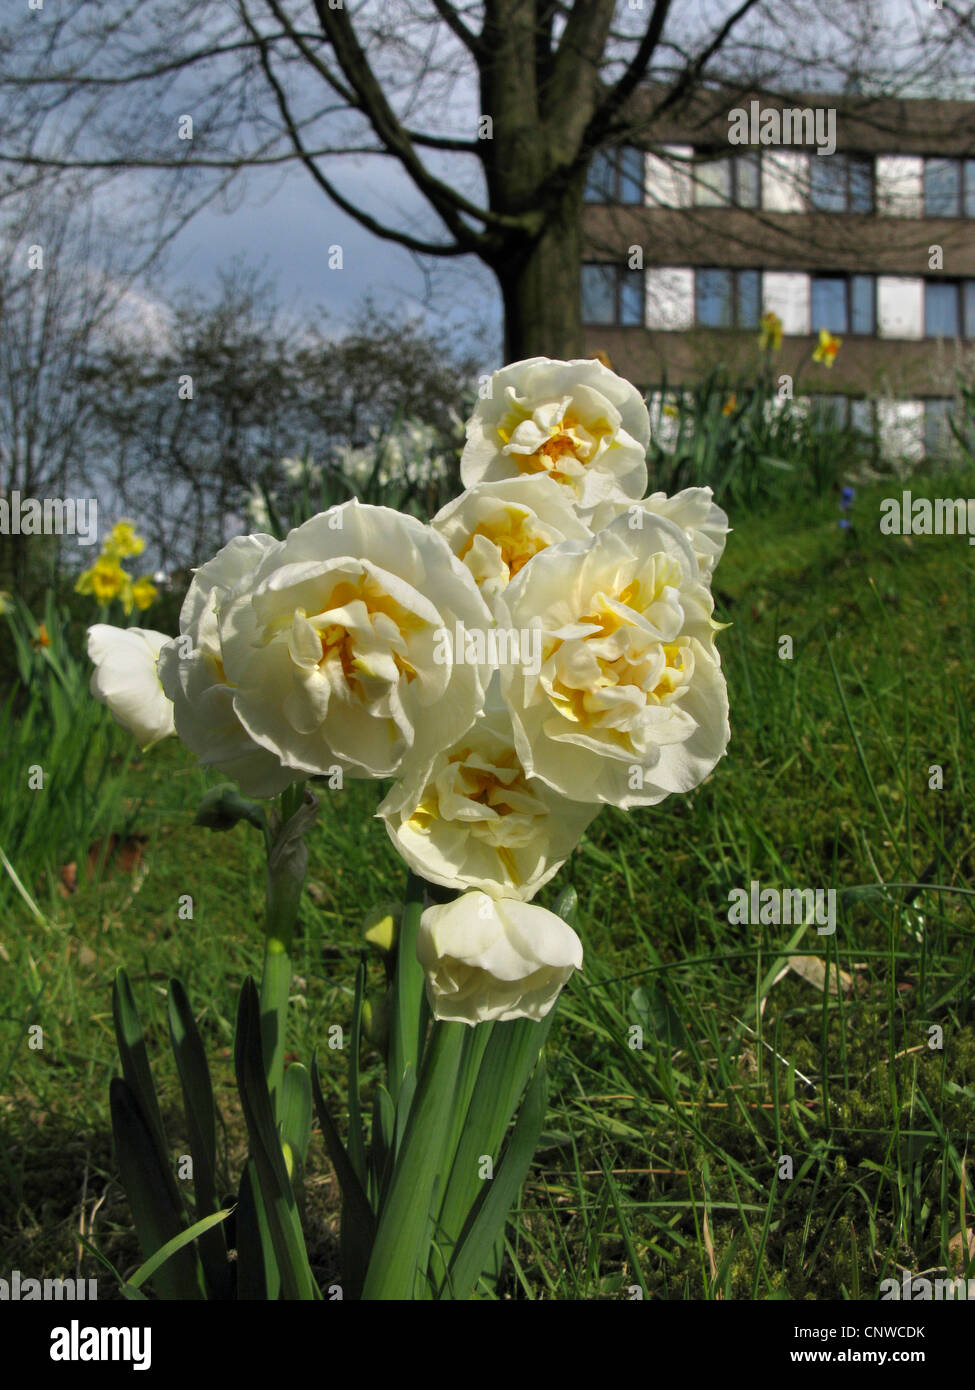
(782, 1132)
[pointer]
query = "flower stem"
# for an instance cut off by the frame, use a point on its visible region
(275, 988)
(409, 1018)
(287, 860)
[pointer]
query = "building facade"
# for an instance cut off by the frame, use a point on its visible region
(857, 218)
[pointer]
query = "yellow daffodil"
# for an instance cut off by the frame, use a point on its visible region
(672, 411)
(126, 595)
(730, 405)
(828, 348)
(770, 337)
(123, 541)
(42, 639)
(105, 580)
(144, 592)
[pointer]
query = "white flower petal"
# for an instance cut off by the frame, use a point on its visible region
(126, 680)
(494, 960)
(630, 703)
(333, 648)
(576, 422)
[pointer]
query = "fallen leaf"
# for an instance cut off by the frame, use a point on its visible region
(121, 854)
(957, 1248)
(813, 970)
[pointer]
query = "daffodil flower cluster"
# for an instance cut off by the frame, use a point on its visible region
(370, 644)
(107, 580)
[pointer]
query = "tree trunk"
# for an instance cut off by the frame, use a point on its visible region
(540, 288)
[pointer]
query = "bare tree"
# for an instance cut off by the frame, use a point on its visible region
(62, 289)
(490, 111)
(190, 419)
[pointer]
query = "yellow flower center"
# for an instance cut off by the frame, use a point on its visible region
(496, 782)
(510, 534)
(619, 654)
(338, 641)
(569, 437)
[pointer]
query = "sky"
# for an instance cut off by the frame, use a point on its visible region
(286, 227)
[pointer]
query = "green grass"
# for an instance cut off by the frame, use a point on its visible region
(659, 1166)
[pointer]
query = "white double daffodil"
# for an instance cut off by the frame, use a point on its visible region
(576, 422)
(494, 960)
(630, 703)
(193, 675)
(126, 680)
(473, 819)
(496, 528)
(334, 648)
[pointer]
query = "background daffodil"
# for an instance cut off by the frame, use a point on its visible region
(770, 336)
(827, 349)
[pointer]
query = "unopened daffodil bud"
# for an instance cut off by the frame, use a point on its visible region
(381, 924)
(222, 807)
(375, 1018)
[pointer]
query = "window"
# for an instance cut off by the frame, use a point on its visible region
(786, 293)
(841, 183)
(838, 412)
(941, 306)
(748, 179)
(938, 437)
(728, 298)
(826, 192)
(863, 311)
(949, 308)
(828, 304)
(968, 308)
(862, 417)
(612, 294)
(599, 294)
(632, 297)
(859, 183)
(949, 187)
(749, 298)
(843, 304)
(942, 187)
(601, 179)
(830, 412)
(631, 174)
(615, 176)
(730, 180)
(712, 186)
(714, 291)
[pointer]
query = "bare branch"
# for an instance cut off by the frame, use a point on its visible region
(371, 100)
(362, 217)
(604, 124)
(620, 94)
(457, 27)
